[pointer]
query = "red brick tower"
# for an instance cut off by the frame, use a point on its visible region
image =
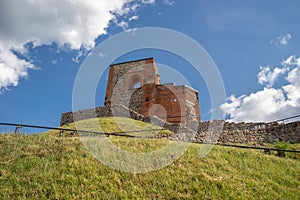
(136, 84)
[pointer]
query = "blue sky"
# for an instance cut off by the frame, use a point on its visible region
(255, 45)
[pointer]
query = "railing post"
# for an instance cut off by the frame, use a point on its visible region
(61, 133)
(18, 129)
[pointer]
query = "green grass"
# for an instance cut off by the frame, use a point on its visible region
(113, 124)
(45, 166)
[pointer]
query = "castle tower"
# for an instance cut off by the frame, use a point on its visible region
(123, 78)
(136, 85)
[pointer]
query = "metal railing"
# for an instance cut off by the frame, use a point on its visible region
(120, 133)
(18, 128)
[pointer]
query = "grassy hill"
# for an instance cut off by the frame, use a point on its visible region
(44, 166)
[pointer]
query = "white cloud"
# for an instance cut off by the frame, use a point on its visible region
(81, 52)
(123, 24)
(11, 68)
(133, 18)
(72, 23)
(148, 1)
(102, 55)
(168, 2)
(270, 103)
(54, 62)
(292, 60)
(282, 40)
(268, 76)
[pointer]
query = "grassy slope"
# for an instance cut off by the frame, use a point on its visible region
(113, 124)
(43, 166)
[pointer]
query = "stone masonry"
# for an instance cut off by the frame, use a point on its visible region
(136, 85)
(175, 104)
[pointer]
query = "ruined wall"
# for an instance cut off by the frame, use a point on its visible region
(70, 117)
(205, 131)
(124, 76)
(226, 132)
(174, 104)
(115, 111)
(260, 132)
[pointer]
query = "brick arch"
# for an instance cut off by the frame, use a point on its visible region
(126, 75)
(133, 80)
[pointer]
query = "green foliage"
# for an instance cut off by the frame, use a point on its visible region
(47, 167)
(281, 146)
(164, 133)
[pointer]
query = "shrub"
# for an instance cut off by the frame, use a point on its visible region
(281, 146)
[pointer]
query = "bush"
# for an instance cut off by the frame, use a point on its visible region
(164, 133)
(281, 146)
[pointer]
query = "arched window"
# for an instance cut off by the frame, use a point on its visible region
(137, 85)
(134, 82)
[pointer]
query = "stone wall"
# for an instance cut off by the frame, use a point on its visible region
(216, 131)
(248, 132)
(111, 111)
(70, 117)
(122, 111)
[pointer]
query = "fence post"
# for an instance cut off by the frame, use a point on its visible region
(61, 133)
(18, 129)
